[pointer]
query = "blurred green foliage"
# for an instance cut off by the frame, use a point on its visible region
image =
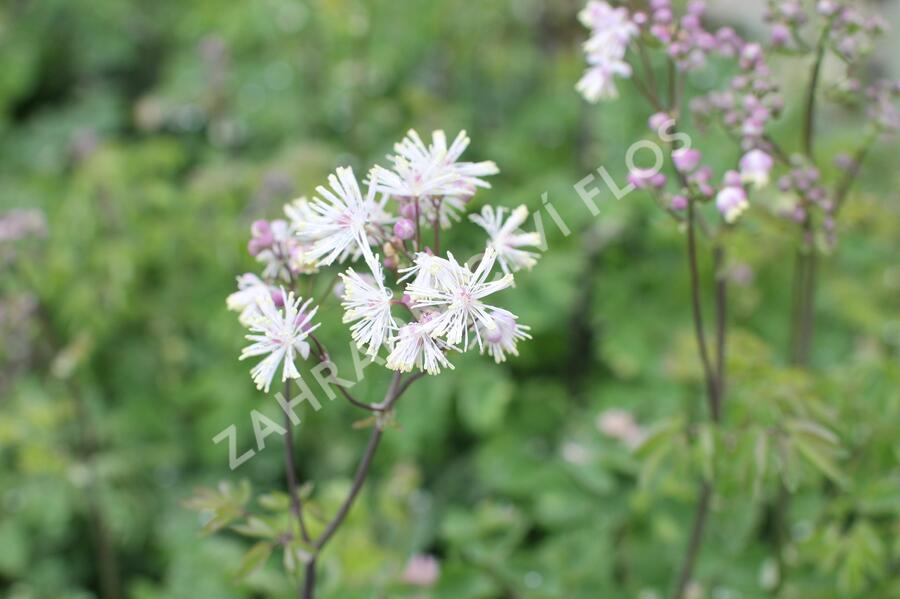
(152, 134)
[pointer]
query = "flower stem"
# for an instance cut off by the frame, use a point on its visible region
(699, 333)
(809, 123)
(291, 472)
(721, 320)
(394, 392)
(714, 386)
(693, 549)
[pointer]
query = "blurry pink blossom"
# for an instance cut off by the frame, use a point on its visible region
(620, 425)
(422, 570)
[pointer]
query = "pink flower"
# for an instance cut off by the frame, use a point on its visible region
(404, 228)
(620, 425)
(731, 202)
(679, 203)
(421, 571)
(755, 168)
(686, 159)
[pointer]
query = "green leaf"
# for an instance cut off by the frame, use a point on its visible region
(256, 527)
(254, 559)
(818, 458)
(659, 436)
(275, 501)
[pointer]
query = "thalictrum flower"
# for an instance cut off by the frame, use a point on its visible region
(421, 171)
(731, 202)
(460, 295)
(505, 239)
(282, 335)
(755, 168)
(367, 304)
(429, 270)
(413, 345)
(336, 223)
(250, 289)
(611, 30)
(278, 251)
(502, 339)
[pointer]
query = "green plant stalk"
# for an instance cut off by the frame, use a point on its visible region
(715, 380)
(396, 389)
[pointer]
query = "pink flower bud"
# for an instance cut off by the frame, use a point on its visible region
(731, 202)
(679, 203)
(260, 228)
(254, 247)
(686, 159)
(781, 35)
(408, 210)
(732, 179)
(696, 7)
(663, 15)
(658, 120)
(826, 8)
(658, 180)
(277, 297)
(404, 228)
(661, 32)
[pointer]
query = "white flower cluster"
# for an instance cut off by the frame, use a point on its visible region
(611, 31)
(416, 304)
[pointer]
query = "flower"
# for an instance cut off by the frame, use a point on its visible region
(686, 159)
(502, 339)
(414, 346)
(504, 239)
(336, 225)
(460, 293)
(731, 202)
(421, 171)
(20, 223)
(679, 203)
(404, 228)
(611, 31)
(429, 270)
(275, 247)
(604, 21)
(755, 168)
(620, 425)
(422, 571)
(446, 210)
(250, 290)
(598, 82)
(367, 304)
(281, 334)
